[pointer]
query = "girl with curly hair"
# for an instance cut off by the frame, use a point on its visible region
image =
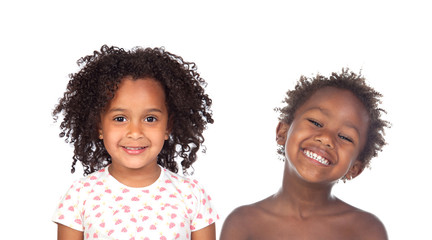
(130, 116)
(329, 129)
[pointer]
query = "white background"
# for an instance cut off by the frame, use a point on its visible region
(250, 53)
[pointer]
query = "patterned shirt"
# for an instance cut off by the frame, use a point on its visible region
(103, 208)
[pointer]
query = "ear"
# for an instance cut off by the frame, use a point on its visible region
(99, 127)
(100, 134)
(355, 170)
(169, 128)
(281, 133)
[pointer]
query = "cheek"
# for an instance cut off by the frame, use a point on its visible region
(111, 137)
(295, 135)
(155, 134)
(351, 154)
(292, 144)
(161, 136)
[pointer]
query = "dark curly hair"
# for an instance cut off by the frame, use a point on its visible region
(348, 80)
(94, 85)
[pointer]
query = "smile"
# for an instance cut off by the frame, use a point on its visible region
(316, 157)
(134, 150)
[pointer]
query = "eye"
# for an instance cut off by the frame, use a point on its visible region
(345, 138)
(315, 123)
(120, 119)
(151, 119)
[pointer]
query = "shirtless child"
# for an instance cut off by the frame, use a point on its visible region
(329, 130)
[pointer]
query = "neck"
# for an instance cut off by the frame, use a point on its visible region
(302, 198)
(136, 178)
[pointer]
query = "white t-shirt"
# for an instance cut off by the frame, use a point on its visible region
(103, 208)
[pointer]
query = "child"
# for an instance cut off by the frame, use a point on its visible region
(329, 130)
(128, 115)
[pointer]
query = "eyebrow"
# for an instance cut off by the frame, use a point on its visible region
(124, 110)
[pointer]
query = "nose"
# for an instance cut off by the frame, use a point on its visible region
(135, 130)
(325, 139)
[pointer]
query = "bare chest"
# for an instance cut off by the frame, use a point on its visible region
(306, 229)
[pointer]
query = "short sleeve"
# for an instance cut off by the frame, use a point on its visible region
(204, 213)
(69, 211)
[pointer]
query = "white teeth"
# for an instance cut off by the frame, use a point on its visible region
(134, 148)
(317, 157)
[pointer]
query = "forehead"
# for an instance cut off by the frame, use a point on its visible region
(143, 91)
(339, 104)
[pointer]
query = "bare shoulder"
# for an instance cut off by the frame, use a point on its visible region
(240, 222)
(373, 226)
(235, 226)
(370, 225)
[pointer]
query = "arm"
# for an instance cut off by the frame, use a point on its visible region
(67, 233)
(207, 233)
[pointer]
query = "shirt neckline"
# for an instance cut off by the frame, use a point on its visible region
(116, 182)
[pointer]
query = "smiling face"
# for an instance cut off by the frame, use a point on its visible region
(134, 124)
(326, 136)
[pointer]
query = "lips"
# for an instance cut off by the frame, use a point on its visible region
(133, 150)
(317, 157)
